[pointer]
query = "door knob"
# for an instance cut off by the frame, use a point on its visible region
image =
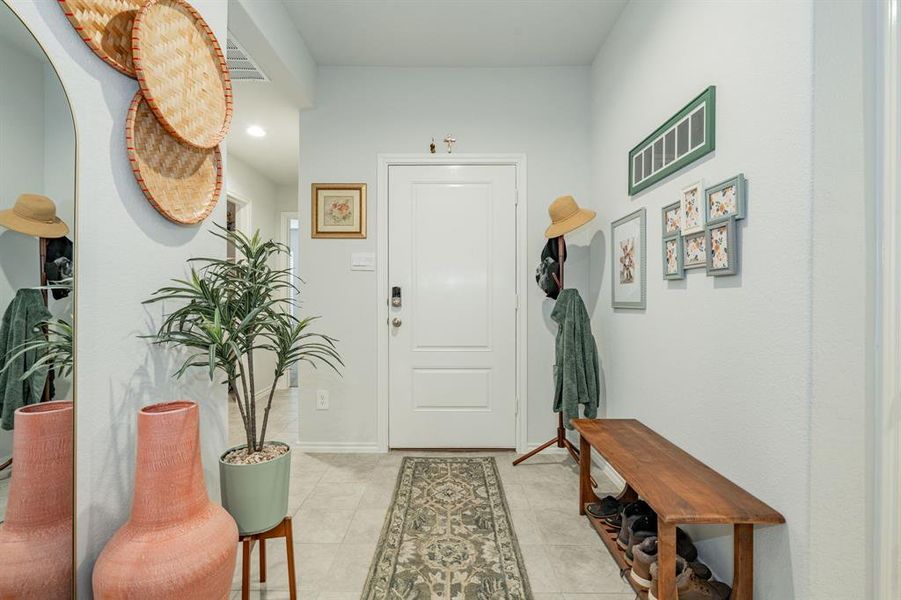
(396, 321)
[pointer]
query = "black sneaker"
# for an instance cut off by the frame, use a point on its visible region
(607, 507)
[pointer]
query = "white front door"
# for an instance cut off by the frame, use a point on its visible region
(452, 346)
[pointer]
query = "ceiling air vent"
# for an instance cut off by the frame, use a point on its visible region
(240, 66)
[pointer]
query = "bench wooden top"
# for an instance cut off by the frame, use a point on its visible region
(679, 487)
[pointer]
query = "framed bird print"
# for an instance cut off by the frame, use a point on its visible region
(339, 210)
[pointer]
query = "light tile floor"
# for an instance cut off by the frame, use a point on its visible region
(339, 503)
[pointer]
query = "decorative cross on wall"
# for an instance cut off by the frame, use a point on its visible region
(450, 140)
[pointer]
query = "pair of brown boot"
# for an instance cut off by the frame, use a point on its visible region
(689, 586)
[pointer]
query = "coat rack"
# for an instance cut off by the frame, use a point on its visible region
(560, 440)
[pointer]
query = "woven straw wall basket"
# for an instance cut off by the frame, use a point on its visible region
(183, 72)
(105, 26)
(183, 183)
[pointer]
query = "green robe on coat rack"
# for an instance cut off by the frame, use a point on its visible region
(576, 373)
(21, 324)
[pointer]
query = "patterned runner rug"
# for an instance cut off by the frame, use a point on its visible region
(448, 535)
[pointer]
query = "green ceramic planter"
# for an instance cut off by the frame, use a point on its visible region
(256, 496)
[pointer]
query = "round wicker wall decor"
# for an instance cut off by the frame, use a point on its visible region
(105, 26)
(183, 183)
(182, 72)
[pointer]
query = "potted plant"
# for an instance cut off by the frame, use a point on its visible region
(230, 311)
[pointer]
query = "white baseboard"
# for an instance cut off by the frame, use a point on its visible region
(551, 450)
(337, 447)
(603, 466)
(264, 393)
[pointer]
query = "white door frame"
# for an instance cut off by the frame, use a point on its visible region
(522, 273)
(887, 423)
(243, 221)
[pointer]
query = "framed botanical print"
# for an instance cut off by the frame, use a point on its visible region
(339, 210)
(672, 219)
(722, 248)
(694, 251)
(726, 199)
(629, 260)
(673, 257)
(692, 217)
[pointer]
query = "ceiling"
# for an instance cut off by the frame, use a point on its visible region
(413, 33)
(277, 154)
(454, 33)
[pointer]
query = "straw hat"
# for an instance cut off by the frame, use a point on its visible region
(34, 215)
(566, 216)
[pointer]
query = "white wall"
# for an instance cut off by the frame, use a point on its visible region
(267, 202)
(738, 370)
(21, 161)
(59, 184)
(126, 250)
(361, 112)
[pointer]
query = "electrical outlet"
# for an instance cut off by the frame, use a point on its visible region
(321, 399)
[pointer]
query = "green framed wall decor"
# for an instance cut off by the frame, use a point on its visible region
(684, 138)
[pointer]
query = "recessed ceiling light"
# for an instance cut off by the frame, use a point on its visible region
(256, 131)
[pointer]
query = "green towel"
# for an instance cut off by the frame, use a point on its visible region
(20, 324)
(576, 375)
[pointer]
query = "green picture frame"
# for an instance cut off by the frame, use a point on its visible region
(723, 247)
(678, 253)
(682, 139)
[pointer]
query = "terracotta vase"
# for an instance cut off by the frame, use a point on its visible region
(176, 543)
(36, 536)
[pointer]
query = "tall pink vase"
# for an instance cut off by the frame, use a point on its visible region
(36, 536)
(176, 543)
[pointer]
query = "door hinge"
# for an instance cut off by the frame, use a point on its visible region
(515, 301)
(516, 408)
(516, 197)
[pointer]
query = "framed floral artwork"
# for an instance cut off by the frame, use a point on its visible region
(629, 256)
(672, 219)
(726, 199)
(694, 251)
(673, 257)
(722, 248)
(692, 209)
(339, 210)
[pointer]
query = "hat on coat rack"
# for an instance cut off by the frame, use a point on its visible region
(566, 216)
(34, 215)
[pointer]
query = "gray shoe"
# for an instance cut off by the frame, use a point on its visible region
(629, 514)
(641, 529)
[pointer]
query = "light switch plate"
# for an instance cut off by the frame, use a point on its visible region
(362, 261)
(321, 399)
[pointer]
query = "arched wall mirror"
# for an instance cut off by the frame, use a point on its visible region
(37, 217)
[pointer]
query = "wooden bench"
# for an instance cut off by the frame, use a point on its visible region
(681, 490)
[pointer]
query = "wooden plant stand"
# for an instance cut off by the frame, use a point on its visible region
(283, 529)
(679, 488)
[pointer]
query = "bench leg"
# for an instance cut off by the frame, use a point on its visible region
(743, 562)
(666, 555)
(586, 493)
